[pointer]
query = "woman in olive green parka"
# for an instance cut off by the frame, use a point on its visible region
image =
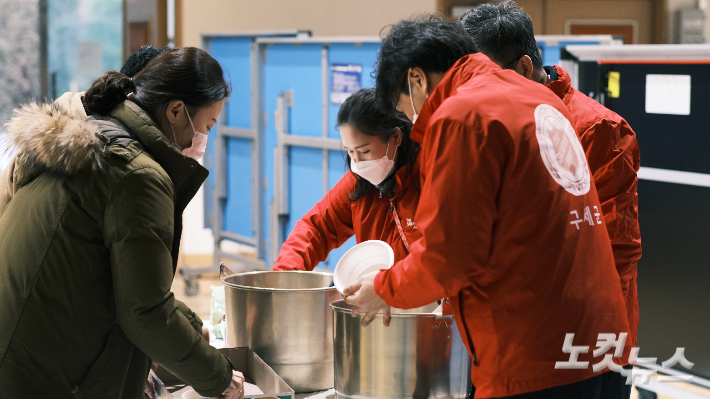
(89, 241)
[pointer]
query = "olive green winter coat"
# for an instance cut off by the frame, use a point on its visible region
(88, 250)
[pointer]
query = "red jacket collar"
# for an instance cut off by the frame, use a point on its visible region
(562, 86)
(405, 178)
(463, 70)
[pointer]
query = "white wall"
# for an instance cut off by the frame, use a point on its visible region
(196, 240)
(323, 18)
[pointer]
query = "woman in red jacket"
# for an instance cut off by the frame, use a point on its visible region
(375, 200)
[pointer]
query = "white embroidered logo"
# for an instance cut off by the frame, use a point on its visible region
(561, 151)
(411, 224)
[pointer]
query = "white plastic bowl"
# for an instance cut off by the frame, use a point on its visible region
(192, 395)
(250, 390)
(366, 257)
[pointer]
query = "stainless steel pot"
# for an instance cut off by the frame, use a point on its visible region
(420, 355)
(284, 318)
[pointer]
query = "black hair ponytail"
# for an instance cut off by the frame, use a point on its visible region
(188, 74)
(107, 91)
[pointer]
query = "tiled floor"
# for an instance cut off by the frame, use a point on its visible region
(200, 304)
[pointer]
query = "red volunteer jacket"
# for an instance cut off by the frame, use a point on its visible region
(512, 231)
(614, 159)
(335, 219)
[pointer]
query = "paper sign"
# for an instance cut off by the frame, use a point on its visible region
(613, 85)
(668, 94)
(346, 80)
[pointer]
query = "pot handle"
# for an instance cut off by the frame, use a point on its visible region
(224, 270)
(439, 320)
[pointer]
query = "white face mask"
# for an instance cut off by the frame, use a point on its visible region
(411, 100)
(374, 171)
(199, 142)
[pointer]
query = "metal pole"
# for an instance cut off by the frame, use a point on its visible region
(43, 58)
(219, 192)
(257, 125)
(277, 205)
(324, 78)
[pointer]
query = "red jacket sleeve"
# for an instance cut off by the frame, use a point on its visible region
(463, 170)
(325, 227)
(615, 160)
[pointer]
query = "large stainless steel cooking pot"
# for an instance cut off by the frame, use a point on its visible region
(420, 355)
(284, 317)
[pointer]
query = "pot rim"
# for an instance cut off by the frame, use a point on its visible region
(264, 289)
(335, 305)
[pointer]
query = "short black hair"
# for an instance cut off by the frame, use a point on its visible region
(140, 58)
(503, 32)
(428, 42)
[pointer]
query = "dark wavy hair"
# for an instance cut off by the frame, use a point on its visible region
(428, 42)
(503, 32)
(140, 58)
(362, 113)
(188, 74)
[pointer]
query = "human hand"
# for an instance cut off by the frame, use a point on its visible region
(362, 295)
(235, 390)
(150, 386)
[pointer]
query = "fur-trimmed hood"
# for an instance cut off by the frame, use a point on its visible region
(47, 137)
(60, 139)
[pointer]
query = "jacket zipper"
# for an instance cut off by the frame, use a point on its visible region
(465, 329)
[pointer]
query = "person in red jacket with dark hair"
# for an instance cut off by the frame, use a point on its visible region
(504, 33)
(375, 200)
(512, 230)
